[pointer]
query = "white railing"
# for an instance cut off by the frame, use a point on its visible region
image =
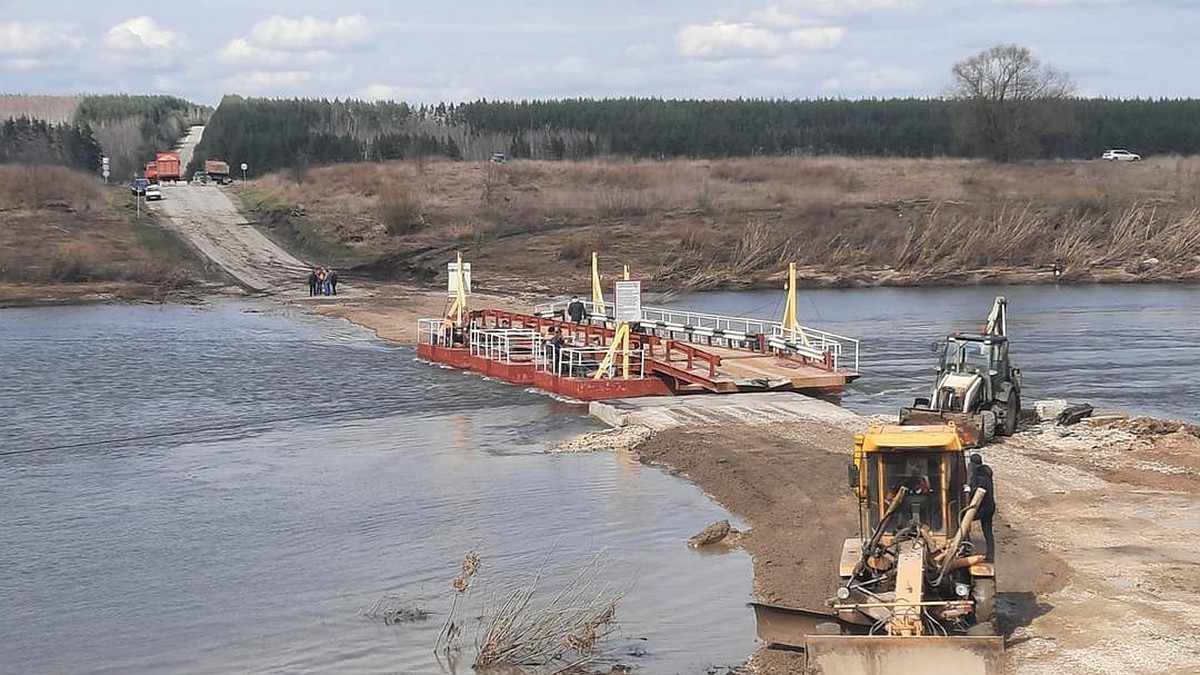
(844, 350)
(506, 345)
(699, 327)
(433, 332)
(582, 362)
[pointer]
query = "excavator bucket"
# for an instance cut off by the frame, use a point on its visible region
(885, 655)
(970, 427)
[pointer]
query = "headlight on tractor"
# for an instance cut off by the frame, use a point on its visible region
(962, 590)
(843, 593)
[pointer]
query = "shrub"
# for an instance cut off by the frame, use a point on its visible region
(401, 215)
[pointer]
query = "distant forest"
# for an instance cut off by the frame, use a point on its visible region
(36, 141)
(71, 130)
(271, 134)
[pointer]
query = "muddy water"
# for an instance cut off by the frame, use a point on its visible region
(223, 488)
(1134, 348)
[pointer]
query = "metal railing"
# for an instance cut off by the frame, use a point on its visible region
(582, 362)
(700, 327)
(433, 332)
(842, 349)
(506, 345)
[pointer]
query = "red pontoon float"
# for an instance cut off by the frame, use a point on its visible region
(629, 350)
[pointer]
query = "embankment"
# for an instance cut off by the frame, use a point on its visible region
(1097, 558)
(698, 224)
(66, 238)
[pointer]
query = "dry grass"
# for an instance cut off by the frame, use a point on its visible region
(60, 226)
(727, 223)
(526, 627)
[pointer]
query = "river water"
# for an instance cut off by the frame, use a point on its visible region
(1130, 348)
(224, 488)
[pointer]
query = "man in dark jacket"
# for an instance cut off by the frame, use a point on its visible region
(576, 310)
(981, 477)
(312, 283)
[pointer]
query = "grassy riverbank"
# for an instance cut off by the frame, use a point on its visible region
(66, 238)
(693, 224)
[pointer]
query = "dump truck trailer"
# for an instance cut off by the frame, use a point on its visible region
(218, 171)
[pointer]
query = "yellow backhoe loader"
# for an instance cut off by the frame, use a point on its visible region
(914, 595)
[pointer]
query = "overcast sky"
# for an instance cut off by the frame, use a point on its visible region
(457, 50)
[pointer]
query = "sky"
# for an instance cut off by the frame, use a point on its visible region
(463, 50)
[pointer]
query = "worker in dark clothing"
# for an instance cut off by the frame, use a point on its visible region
(981, 477)
(333, 281)
(312, 283)
(576, 310)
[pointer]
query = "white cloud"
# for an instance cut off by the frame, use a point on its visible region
(242, 52)
(1055, 3)
(856, 6)
(37, 37)
(140, 33)
(817, 38)
(346, 33)
(864, 78)
(776, 17)
(264, 81)
(727, 39)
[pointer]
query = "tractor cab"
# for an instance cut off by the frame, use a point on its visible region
(928, 462)
(974, 354)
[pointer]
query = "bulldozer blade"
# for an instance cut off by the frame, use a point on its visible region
(788, 626)
(970, 427)
(885, 655)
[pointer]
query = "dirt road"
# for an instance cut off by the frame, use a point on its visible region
(1098, 561)
(207, 218)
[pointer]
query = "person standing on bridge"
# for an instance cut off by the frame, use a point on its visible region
(576, 311)
(312, 283)
(333, 281)
(981, 477)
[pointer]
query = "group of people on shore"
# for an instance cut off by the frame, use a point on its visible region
(322, 282)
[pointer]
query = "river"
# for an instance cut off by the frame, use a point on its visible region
(1130, 348)
(224, 488)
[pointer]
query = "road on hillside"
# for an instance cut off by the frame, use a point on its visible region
(208, 218)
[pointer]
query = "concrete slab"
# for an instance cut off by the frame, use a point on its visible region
(755, 408)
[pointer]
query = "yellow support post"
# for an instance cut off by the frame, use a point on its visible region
(627, 273)
(597, 289)
(790, 323)
(622, 335)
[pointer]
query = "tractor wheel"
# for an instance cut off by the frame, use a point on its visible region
(983, 592)
(987, 427)
(1011, 412)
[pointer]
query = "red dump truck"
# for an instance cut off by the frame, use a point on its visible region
(164, 167)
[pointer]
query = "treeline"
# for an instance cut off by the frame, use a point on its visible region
(270, 134)
(132, 128)
(33, 141)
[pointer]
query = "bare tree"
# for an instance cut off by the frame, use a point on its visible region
(1008, 101)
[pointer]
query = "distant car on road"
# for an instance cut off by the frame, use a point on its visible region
(138, 185)
(153, 192)
(1121, 156)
